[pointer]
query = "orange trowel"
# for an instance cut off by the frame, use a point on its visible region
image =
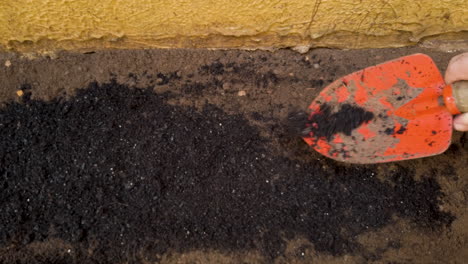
(398, 110)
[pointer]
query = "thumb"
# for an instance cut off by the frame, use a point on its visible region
(460, 122)
(457, 69)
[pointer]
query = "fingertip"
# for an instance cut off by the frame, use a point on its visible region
(457, 68)
(460, 122)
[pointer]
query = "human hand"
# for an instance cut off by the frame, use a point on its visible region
(457, 70)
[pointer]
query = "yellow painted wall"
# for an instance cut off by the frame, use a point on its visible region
(38, 25)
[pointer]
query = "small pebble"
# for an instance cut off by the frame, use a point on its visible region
(19, 93)
(242, 93)
(316, 65)
(8, 63)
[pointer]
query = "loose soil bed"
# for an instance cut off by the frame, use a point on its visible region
(189, 156)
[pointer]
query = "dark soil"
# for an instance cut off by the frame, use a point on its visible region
(122, 168)
(187, 156)
(325, 123)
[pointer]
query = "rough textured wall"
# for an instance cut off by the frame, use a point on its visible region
(90, 24)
